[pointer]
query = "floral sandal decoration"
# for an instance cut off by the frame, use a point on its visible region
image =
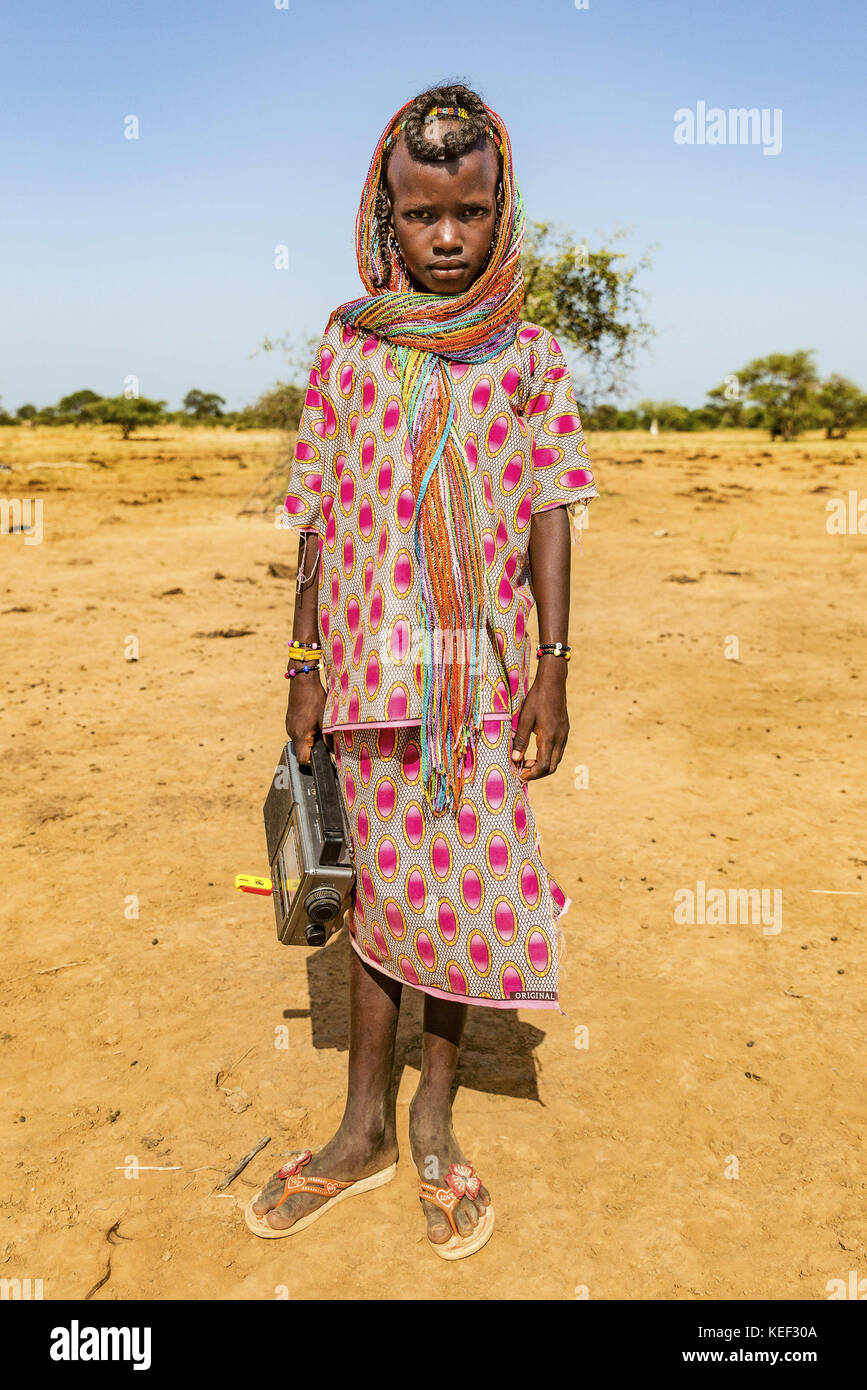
(461, 1181)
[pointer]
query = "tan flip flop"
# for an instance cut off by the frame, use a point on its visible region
(462, 1182)
(320, 1187)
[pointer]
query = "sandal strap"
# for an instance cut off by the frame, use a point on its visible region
(442, 1197)
(317, 1187)
(297, 1181)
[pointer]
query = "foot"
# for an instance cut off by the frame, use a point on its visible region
(434, 1148)
(347, 1157)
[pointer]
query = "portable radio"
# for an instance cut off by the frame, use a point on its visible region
(309, 848)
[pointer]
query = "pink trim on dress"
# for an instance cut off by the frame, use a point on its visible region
(550, 506)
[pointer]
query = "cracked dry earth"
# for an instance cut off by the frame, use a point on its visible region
(692, 1128)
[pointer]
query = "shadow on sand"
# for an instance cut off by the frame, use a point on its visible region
(497, 1054)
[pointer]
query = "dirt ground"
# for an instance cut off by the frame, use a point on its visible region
(703, 1138)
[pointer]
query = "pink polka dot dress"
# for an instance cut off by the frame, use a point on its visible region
(458, 905)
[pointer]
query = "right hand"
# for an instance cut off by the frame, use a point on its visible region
(304, 713)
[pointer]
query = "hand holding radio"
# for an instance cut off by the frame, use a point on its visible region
(304, 712)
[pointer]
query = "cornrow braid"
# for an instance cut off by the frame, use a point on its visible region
(471, 126)
(467, 131)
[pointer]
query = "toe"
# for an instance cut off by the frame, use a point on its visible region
(466, 1217)
(279, 1219)
(269, 1196)
(438, 1229)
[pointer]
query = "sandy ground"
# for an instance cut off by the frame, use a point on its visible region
(704, 1138)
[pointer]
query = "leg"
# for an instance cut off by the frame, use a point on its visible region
(366, 1139)
(432, 1138)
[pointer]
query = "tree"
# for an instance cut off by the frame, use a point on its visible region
(26, 412)
(130, 412)
(783, 385)
(74, 404)
(300, 354)
(203, 405)
(602, 417)
(841, 406)
(280, 406)
(726, 405)
(704, 418)
(276, 409)
(670, 415)
(590, 300)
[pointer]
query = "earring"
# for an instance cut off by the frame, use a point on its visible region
(393, 246)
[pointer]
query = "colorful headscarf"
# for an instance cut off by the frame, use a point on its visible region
(426, 331)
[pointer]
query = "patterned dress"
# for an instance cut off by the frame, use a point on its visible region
(458, 905)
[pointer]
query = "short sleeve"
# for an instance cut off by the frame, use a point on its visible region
(319, 438)
(561, 466)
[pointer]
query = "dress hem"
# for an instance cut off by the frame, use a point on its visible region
(456, 998)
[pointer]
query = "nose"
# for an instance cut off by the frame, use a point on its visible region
(447, 236)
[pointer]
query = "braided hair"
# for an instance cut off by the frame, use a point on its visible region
(463, 134)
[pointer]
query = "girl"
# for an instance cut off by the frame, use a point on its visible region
(438, 457)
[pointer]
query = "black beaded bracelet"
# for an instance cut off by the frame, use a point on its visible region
(301, 670)
(554, 649)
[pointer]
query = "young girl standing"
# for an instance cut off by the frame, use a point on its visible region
(438, 457)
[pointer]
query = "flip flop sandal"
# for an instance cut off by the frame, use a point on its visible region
(462, 1182)
(319, 1187)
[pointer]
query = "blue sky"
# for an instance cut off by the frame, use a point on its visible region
(156, 256)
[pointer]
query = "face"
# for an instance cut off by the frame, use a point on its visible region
(443, 214)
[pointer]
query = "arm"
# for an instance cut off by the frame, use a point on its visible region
(311, 478)
(306, 692)
(562, 482)
(543, 712)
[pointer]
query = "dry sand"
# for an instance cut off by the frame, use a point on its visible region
(711, 1050)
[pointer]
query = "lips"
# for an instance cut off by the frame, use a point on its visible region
(448, 270)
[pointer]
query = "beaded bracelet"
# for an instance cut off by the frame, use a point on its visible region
(306, 656)
(301, 670)
(554, 649)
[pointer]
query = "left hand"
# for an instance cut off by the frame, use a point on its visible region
(543, 713)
